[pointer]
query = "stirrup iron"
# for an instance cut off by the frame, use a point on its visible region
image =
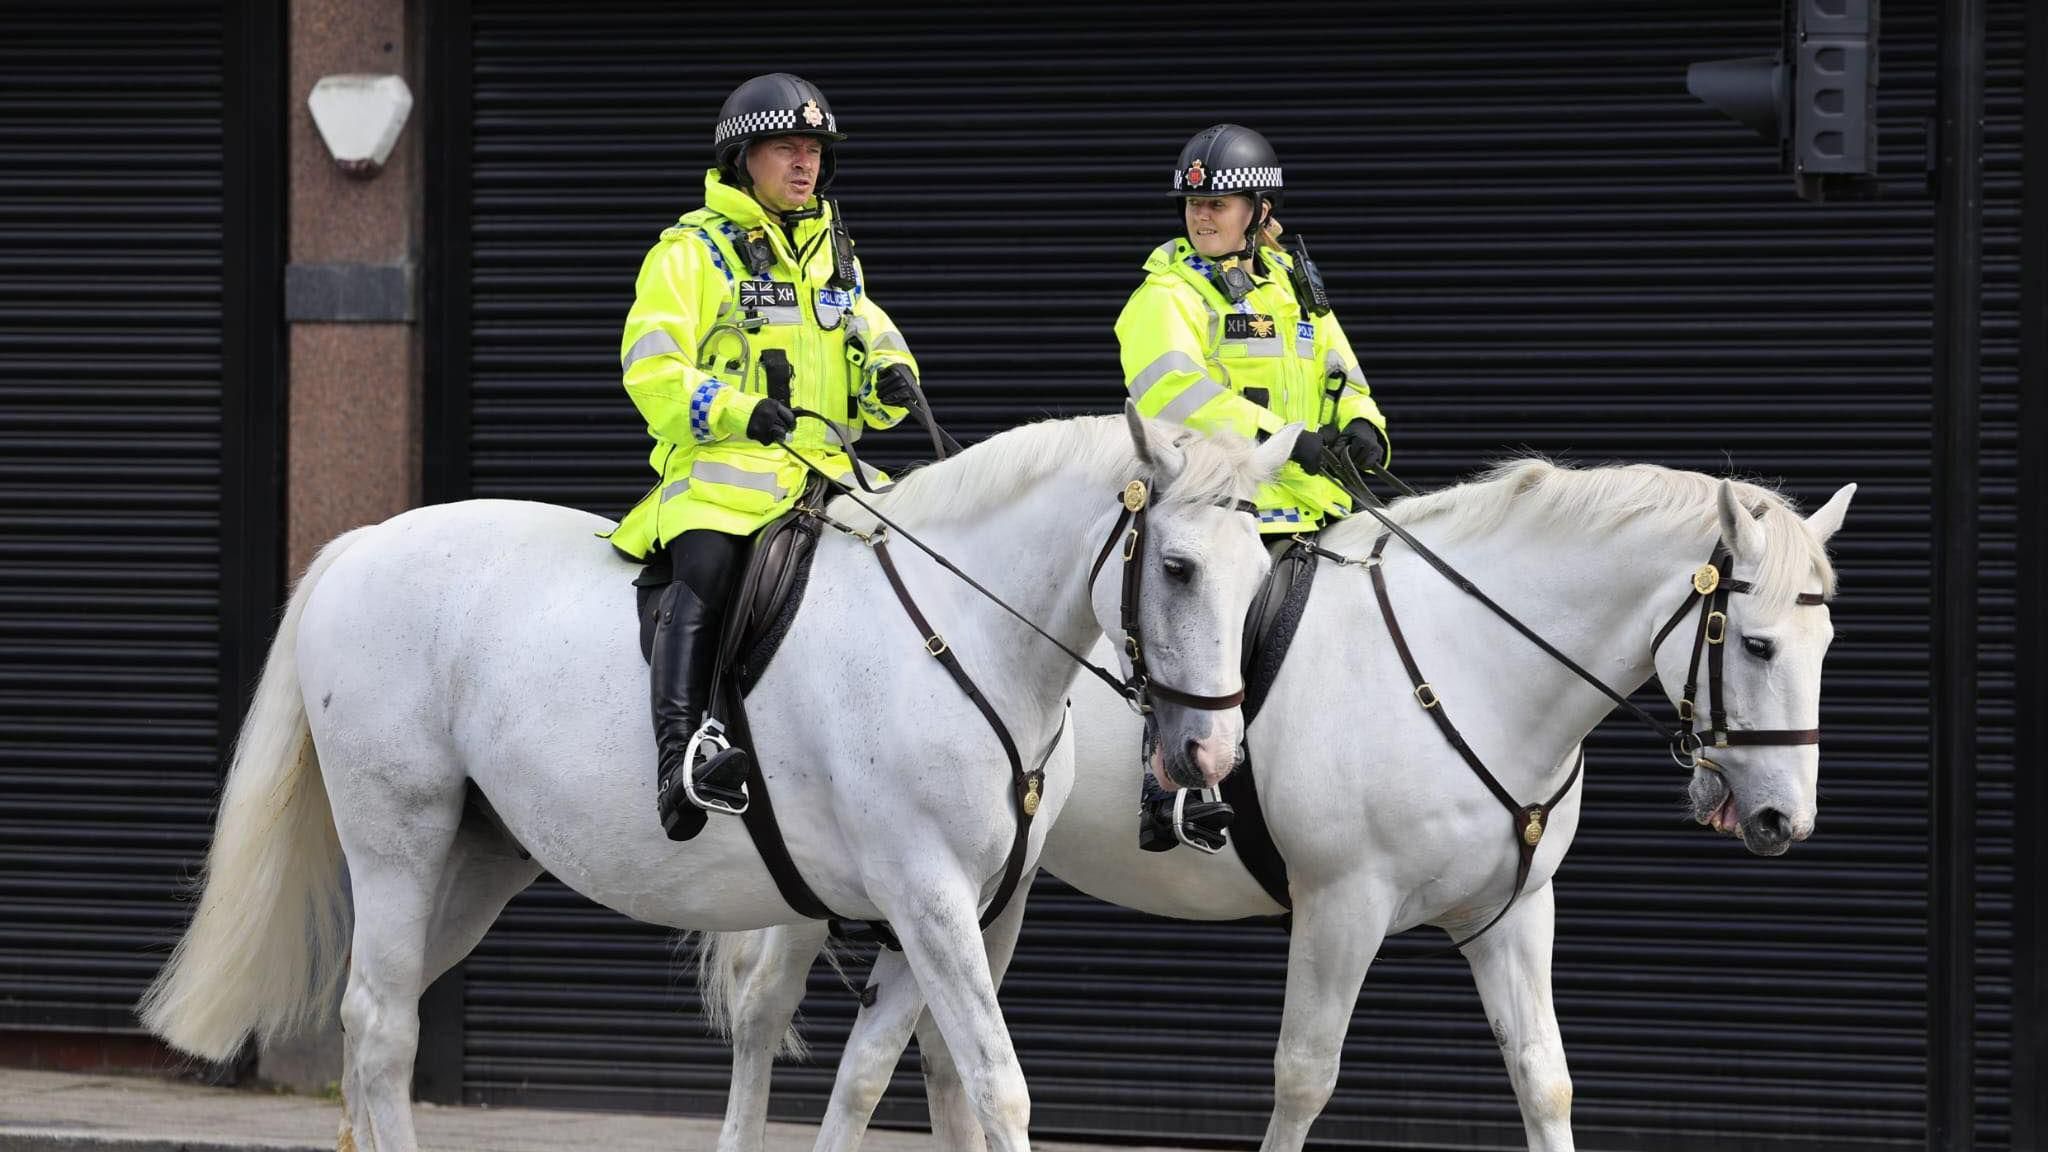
(709, 741)
(1208, 841)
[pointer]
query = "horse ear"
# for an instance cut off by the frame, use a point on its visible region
(1744, 535)
(1826, 522)
(1268, 457)
(1156, 450)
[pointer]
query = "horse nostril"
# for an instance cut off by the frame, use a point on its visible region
(1194, 751)
(1773, 825)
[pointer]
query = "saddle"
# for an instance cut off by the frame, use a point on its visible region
(764, 602)
(1269, 630)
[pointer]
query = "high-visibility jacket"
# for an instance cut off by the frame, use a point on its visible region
(692, 356)
(1192, 356)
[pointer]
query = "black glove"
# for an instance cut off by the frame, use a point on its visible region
(1363, 444)
(770, 421)
(1307, 452)
(896, 386)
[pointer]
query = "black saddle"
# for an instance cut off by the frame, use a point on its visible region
(764, 601)
(1269, 630)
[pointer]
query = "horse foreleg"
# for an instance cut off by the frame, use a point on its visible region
(1337, 931)
(954, 1125)
(1511, 966)
(869, 1059)
(765, 999)
(938, 924)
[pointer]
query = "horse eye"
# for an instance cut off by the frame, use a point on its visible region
(1759, 647)
(1178, 569)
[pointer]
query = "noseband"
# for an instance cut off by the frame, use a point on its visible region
(1139, 688)
(1711, 588)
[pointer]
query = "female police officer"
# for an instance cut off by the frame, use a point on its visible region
(750, 306)
(1229, 331)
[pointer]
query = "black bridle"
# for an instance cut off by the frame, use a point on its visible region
(1711, 587)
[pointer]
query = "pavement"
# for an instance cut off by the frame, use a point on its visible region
(98, 1112)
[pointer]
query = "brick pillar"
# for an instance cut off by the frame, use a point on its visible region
(353, 452)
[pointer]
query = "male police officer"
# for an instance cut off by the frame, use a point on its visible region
(749, 307)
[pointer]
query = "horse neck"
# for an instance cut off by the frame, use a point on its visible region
(1034, 552)
(1598, 597)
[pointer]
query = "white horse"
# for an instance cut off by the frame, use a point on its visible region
(1382, 826)
(493, 643)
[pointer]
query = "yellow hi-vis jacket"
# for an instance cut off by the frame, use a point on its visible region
(692, 359)
(1191, 356)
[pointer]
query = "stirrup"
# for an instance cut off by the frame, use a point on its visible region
(1206, 837)
(710, 741)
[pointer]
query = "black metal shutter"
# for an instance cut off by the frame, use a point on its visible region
(1536, 239)
(112, 258)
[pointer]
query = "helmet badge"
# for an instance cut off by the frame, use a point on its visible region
(1196, 176)
(812, 115)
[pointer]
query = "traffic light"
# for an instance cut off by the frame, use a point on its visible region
(1817, 98)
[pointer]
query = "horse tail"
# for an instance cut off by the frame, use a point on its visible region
(267, 947)
(722, 959)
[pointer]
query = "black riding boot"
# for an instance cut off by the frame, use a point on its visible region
(686, 637)
(1200, 823)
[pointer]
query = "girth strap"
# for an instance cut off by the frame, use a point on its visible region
(1530, 821)
(1026, 787)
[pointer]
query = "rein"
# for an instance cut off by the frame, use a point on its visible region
(1138, 689)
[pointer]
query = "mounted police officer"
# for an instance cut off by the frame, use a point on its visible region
(748, 309)
(1229, 330)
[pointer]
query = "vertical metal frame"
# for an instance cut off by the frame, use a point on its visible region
(1952, 829)
(443, 29)
(2030, 644)
(253, 357)
(446, 251)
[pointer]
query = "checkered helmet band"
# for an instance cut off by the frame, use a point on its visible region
(1224, 180)
(768, 123)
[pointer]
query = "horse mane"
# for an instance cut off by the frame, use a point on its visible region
(1002, 467)
(1609, 497)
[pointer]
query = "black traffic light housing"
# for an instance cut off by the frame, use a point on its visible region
(1817, 98)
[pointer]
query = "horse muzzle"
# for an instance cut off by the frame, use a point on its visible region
(1189, 748)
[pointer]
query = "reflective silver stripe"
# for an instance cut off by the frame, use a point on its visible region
(655, 343)
(1184, 405)
(841, 434)
(888, 342)
(674, 490)
(1151, 374)
(780, 314)
(1334, 365)
(1166, 249)
(712, 472)
(1263, 346)
(1304, 347)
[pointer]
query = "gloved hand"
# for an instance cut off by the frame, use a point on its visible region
(1308, 452)
(896, 386)
(770, 421)
(1363, 444)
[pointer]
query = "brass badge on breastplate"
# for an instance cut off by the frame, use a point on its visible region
(1532, 832)
(1031, 796)
(1135, 495)
(1706, 580)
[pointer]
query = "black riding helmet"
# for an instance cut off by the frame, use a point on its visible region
(1229, 160)
(777, 104)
